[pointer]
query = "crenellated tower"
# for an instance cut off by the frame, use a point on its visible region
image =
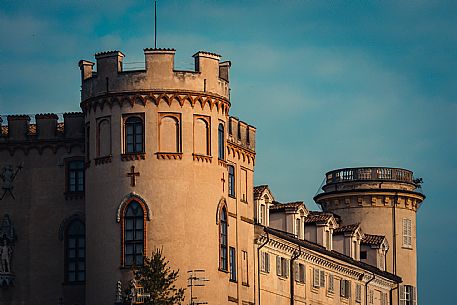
(166, 167)
(384, 201)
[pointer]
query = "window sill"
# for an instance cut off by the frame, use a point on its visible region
(245, 284)
(169, 155)
(133, 156)
(222, 270)
(222, 163)
(103, 160)
(407, 247)
(233, 281)
(299, 283)
(74, 195)
(232, 196)
(202, 158)
(74, 283)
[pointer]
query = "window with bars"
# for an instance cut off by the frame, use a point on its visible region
(407, 230)
(133, 234)
(264, 262)
(75, 252)
(134, 135)
(223, 263)
(75, 176)
(232, 256)
(408, 295)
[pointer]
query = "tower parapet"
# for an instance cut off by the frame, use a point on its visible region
(210, 75)
(241, 133)
(384, 201)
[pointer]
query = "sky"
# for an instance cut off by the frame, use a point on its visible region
(328, 84)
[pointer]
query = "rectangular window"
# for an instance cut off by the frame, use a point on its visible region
(75, 176)
(322, 278)
(232, 253)
(316, 278)
(407, 295)
(262, 215)
(244, 184)
(345, 289)
(282, 266)
(363, 254)
(370, 297)
(331, 283)
(383, 298)
(87, 143)
(358, 293)
(264, 262)
(299, 272)
(231, 180)
(297, 227)
(245, 279)
(407, 242)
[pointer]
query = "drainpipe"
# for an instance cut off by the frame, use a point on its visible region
(390, 293)
(366, 288)
(291, 268)
(258, 261)
(394, 223)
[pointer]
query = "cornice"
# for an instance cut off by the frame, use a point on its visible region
(241, 152)
(155, 97)
(40, 145)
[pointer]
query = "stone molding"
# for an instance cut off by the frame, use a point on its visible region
(145, 97)
(241, 153)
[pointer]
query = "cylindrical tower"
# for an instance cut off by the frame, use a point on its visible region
(154, 168)
(384, 201)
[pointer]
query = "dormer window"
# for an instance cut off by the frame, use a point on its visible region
(263, 214)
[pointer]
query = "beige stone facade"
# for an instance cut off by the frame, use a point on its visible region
(155, 161)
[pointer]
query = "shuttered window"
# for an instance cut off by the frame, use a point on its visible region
(358, 293)
(299, 272)
(408, 295)
(282, 266)
(316, 278)
(331, 280)
(345, 288)
(407, 236)
(264, 262)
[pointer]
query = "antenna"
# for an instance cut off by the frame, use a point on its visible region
(155, 24)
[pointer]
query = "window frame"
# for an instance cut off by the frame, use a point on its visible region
(223, 239)
(407, 236)
(264, 262)
(231, 181)
(99, 121)
(125, 123)
(77, 259)
(123, 231)
(232, 259)
(221, 141)
(68, 170)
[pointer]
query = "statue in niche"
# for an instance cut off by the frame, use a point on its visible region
(6, 253)
(7, 238)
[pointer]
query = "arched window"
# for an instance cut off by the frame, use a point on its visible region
(133, 234)
(134, 135)
(220, 141)
(75, 252)
(223, 263)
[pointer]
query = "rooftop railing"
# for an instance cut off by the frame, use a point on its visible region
(369, 173)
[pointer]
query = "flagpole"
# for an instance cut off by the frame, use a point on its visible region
(155, 24)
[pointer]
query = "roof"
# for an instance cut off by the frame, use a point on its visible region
(314, 217)
(346, 229)
(278, 206)
(258, 190)
(375, 240)
(318, 248)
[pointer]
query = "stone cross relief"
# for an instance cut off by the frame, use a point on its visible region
(7, 176)
(133, 175)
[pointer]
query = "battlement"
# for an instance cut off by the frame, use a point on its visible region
(41, 127)
(241, 133)
(210, 75)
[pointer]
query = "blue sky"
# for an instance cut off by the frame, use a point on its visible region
(328, 84)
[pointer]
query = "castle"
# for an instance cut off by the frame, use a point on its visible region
(155, 161)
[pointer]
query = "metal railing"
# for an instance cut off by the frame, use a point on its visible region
(369, 173)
